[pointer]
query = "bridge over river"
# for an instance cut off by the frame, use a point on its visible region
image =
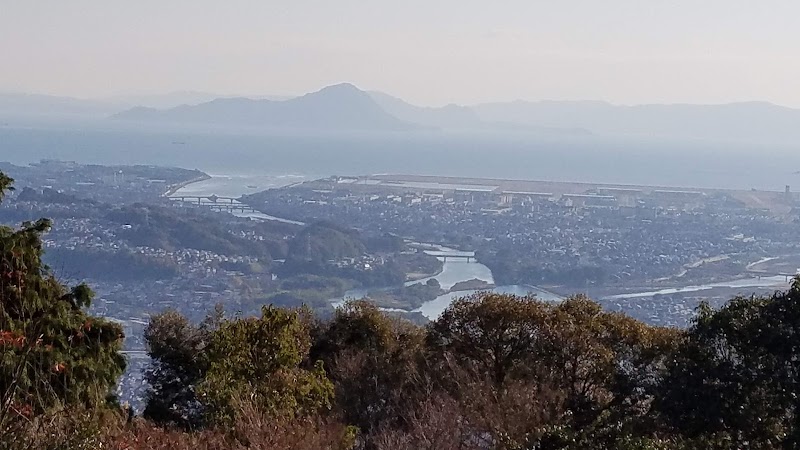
(216, 202)
(135, 354)
(452, 254)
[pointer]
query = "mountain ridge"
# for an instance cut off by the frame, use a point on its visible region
(177, 98)
(54, 105)
(346, 107)
(341, 106)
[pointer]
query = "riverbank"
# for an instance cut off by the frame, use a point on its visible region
(457, 277)
(412, 277)
(746, 284)
(231, 186)
(172, 189)
(472, 285)
(752, 267)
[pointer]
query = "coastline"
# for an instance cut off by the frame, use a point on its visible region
(173, 188)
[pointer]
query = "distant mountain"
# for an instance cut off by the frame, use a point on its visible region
(748, 121)
(54, 106)
(456, 117)
(178, 98)
(450, 116)
(339, 107)
(345, 107)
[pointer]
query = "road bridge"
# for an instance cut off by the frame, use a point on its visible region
(786, 275)
(200, 199)
(457, 255)
(216, 202)
(229, 207)
(135, 354)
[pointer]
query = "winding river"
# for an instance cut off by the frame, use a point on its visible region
(454, 270)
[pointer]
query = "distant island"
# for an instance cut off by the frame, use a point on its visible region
(341, 107)
(338, 107)
(346, 108)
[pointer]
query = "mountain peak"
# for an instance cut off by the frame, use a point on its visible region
(339, 91)
(343, 87)
(338, 107)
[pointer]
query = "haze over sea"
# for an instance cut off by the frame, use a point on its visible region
(515, 155)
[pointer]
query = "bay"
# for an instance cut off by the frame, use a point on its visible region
(511, 155)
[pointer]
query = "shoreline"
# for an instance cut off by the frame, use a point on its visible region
(172, 189)
(471, 285)
(565, 186)
(411, 278)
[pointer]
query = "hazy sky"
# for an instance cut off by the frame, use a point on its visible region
(426, 51)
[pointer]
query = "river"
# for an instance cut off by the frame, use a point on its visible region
(238, 185)
(777, 282)
(453, 270)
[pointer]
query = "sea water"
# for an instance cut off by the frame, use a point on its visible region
(512, 155)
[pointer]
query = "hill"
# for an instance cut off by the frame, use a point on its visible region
(177, 98)
(338, 107)
(323, 241)
(450, 116)
(53, 106)
(170, 229)
(457, 117)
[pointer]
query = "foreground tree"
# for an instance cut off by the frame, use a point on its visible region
(259, 360)
(374, 362)
(495, 334)
(607, 364)
(52, 352)
(575, 365)
(738, 373)
(210, 373)
(179, 363)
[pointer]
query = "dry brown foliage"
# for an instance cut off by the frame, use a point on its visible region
(68, 430)
(476, 415)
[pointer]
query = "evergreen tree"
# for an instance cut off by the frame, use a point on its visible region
(178, 363)
(737, 373)
(372, 359)
(204, 374)
(258, 361)
(52, 352)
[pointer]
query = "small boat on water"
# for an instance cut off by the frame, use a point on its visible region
(252, 186)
